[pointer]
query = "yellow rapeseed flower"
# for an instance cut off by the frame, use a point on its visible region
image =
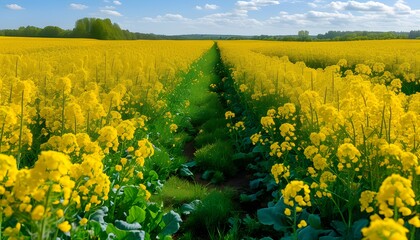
(384, 229)
(64, 226)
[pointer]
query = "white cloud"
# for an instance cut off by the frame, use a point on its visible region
(211, 6)
(111, 12)
(169, 17)
(14, 6)
(207, 7)
(255, 4)
(317, 16)
(117, 2)
(109, 7)
(370, 6)
(78, 6)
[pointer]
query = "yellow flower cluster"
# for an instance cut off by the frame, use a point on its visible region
(348, 156)
(279, 170)
(385, 229)
(296, 194)
(229, 115)
(50, 187)
(108, 138)
(351, 119)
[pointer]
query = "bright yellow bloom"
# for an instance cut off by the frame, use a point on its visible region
(384, 229)
(145, 149)
(83, 221)
(395, 191)
(255, 138)
(118, 168)
(415, 221)
(366, 198)
(302, 224)
(38, 213)
(275, 150)
(173, 127)
(60, 213)
(267, 122)
(279, 170)
(287, 129)
(296, 188)
(64, 226)
(229, 115)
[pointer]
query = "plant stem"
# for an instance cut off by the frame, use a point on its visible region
(339, 211)
(294, 223)
(1, 221)
(62, 113)
(1, 136)
(20, 132)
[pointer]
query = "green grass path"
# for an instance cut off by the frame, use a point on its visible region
(209, 148)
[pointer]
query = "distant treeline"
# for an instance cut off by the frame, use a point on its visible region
(366, 35)
(84, 28)
(106, 30)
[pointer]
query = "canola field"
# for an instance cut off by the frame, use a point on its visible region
(74, 131)
(332, 130)
(343, 140)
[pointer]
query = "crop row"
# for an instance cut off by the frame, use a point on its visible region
(342, 147)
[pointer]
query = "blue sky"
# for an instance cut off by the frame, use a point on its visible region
(245, 17)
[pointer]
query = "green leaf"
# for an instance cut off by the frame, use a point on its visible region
(357, 228)
(187, 208)
(130, 194)
(254, 184)
(99, 216)
(96, 227)
(340, 227)
(207, 175)
(136, 235)
(136, 214)
(250, 197)
(273, 216)
(259, 149)
(185, 172)
(314, 221)
(112, 230)
(242, 156)
(308, 233)
(123, 225)
(172, 222)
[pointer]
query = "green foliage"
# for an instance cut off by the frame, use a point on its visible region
(216, 156)
(212, 215)
(177, 191)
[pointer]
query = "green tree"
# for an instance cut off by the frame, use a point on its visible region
(303, 35)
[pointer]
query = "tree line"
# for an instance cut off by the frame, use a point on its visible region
(95, 28)
(104, 29)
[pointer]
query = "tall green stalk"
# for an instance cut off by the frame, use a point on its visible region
(20, 131)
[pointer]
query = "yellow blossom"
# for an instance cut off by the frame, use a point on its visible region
(64, 226)
(384, 229)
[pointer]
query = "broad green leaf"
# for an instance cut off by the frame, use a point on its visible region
(207, 175)
(185, 172)
(254, 184)
(273, 216)
(308, 233)
(172, 222)
(357, 227)
(119, 234)
(187, 208)
(123, 225)
(136, 214)
(259, 149)
(340, 227)
(314, 221)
